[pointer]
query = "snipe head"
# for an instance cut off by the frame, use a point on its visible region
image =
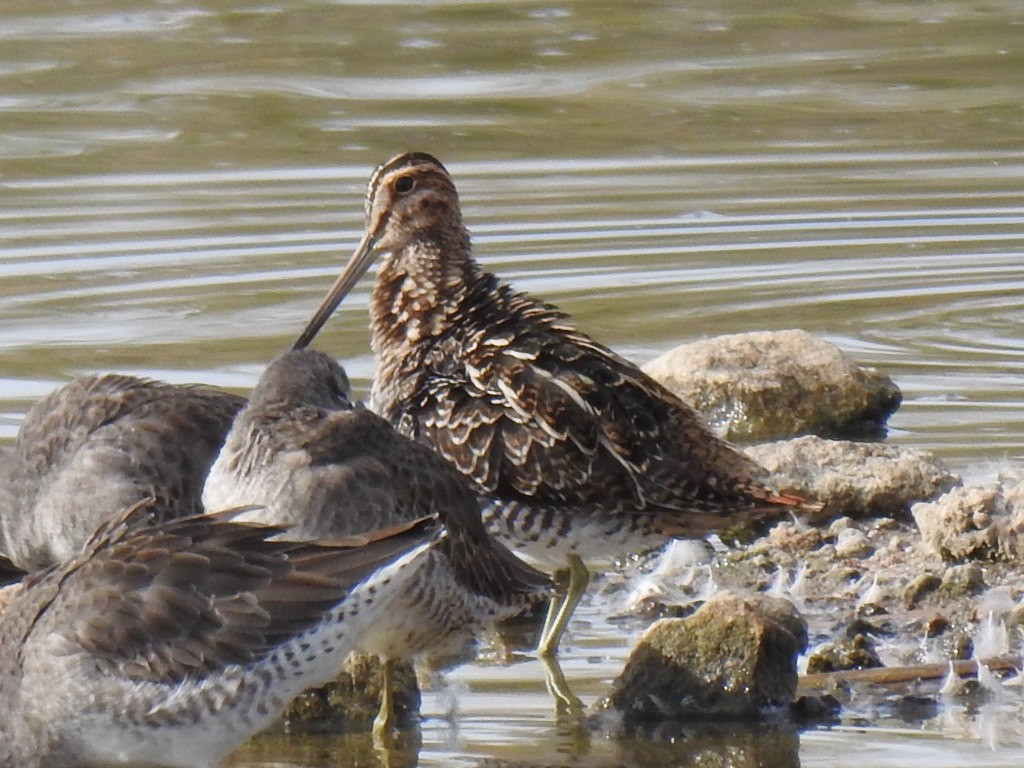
(412, 208)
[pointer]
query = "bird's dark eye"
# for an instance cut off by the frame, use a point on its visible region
(405, 185)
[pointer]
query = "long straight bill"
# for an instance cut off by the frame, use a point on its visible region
(357, 265)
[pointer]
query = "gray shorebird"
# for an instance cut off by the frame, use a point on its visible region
(308, 457)
(586, 457)
(169, 644)
(102, 443)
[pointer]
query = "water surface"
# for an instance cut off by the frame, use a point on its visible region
(181, 181)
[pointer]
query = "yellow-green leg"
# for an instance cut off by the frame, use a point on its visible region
(384, 723)
(560, 581)
(566, 702)
(562, 605)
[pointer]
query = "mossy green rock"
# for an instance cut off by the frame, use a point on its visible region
(857, 652)
(735, 657)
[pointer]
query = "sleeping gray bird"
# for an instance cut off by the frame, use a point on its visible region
(170, 643)
(100, 444)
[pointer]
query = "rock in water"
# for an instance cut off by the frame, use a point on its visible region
(857, 652)
(350, 702)
(735, 657)
(766, 385)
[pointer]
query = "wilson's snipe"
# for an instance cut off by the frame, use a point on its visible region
(324, 467)
(169, 644)
(103, 443)
(587, 457)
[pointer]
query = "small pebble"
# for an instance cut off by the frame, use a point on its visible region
(936, 625)
(961, 580)
(857, 652)
(883, 524)
(923, 585)
(839, 525)
(852, 543)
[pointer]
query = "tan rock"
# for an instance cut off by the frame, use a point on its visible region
(974, 523)
(768, 385)
(854, 479)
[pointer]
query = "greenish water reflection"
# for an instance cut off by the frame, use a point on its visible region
(181, 180)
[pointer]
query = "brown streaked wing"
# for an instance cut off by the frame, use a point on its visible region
(564, 410)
